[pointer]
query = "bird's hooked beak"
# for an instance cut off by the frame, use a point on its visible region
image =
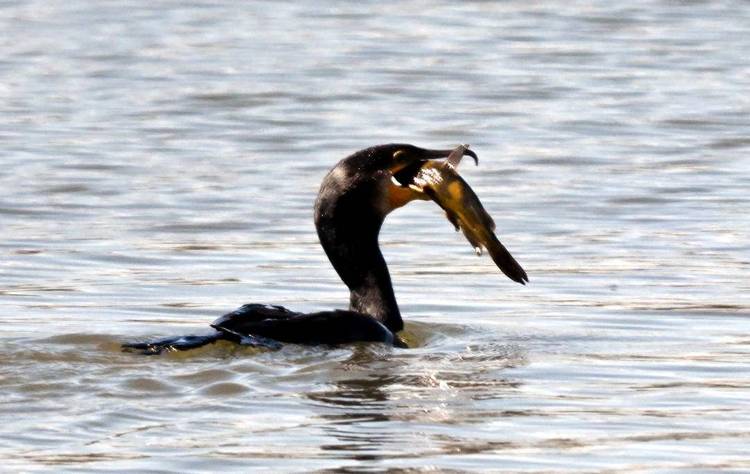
(415, 157)
(406, 163)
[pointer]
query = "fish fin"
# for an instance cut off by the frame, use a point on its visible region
(474, 240)
(453, 219)
(454, 159)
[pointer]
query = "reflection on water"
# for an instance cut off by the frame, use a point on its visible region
(159, 168)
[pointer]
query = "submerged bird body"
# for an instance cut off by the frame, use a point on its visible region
(325, 327)
(354, 199)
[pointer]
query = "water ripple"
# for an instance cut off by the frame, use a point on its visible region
(160, 163)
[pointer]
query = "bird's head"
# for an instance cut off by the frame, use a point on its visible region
(366, 186)
(379, 177)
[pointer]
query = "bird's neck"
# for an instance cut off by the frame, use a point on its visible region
(352, 247)
(373, 294)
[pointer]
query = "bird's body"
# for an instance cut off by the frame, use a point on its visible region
(354, 199)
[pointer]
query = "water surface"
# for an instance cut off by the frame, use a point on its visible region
(159, 166)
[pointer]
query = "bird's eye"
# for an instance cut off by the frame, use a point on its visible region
(398, 153)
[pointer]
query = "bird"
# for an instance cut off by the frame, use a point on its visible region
(354, 199)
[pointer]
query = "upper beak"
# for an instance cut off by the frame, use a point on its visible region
(453, 155)
(410, 163)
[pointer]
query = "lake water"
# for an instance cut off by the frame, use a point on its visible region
(159, 165)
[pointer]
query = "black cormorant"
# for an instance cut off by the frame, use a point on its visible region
(354, 199)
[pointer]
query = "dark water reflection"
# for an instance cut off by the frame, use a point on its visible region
(159, 166)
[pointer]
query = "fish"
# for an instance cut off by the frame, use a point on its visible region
(440, 181)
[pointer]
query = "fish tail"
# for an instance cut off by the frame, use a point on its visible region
(505, 261)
